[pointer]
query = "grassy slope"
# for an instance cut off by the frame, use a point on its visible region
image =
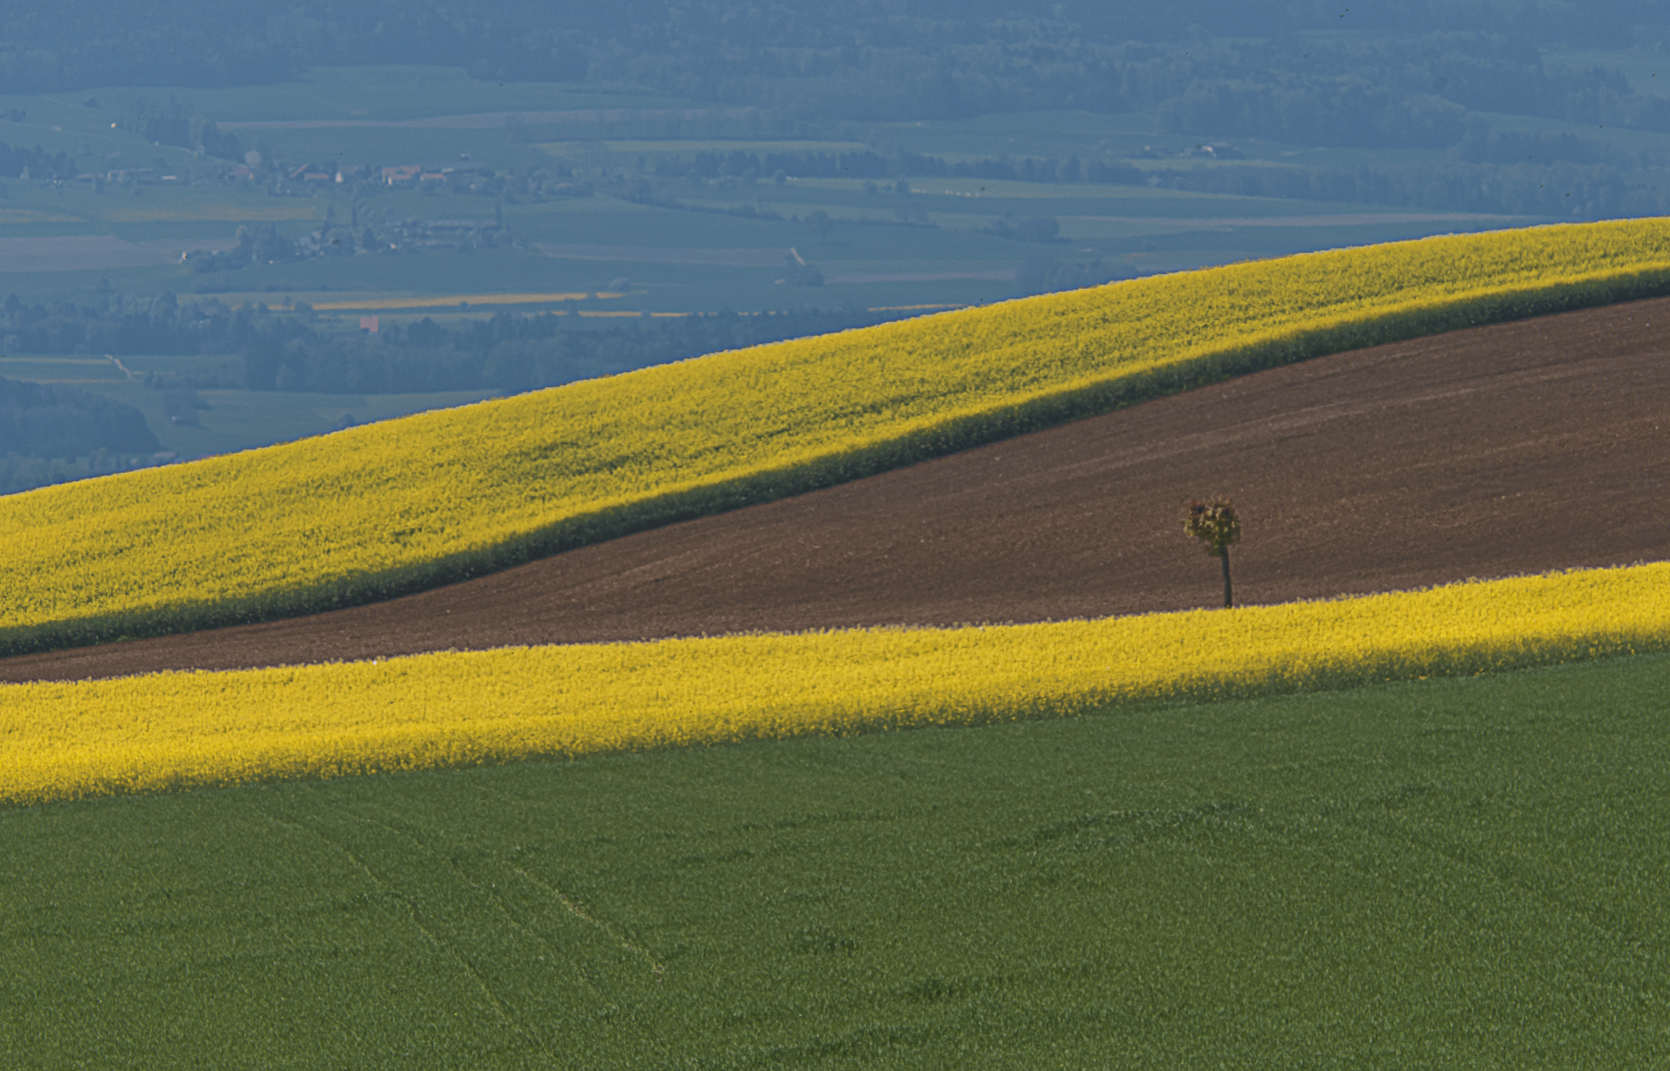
(1460, 873)
(382, 510)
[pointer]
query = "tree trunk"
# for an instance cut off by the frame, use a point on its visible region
(1229, 598)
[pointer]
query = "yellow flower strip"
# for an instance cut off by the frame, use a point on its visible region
(388, 508)
(177, 730)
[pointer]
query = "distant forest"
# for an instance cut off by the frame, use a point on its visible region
(50, 433)
(1396, 72)
(509, 351)
(52, 420)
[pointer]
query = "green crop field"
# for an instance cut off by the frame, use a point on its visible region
(1449, 873)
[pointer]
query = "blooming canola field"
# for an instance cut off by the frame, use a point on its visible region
(389, 508)
(182, 730)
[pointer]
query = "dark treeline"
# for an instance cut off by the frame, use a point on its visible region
(51, 433)
(1045, 275)
(51, 420)
(1388, 92)
(508, 351)
(1560, 190)
(168, 123)
(23, 472)
(1559, 175)
(260, 244)
(868, 164)
(1479, 145)
(37, 162)
(296, 352)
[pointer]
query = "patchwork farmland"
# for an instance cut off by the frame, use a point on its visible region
(1279, 868)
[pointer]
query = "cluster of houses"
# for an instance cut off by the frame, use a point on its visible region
(308, 174)
(407, 175)
(124, 176)
(411, 235)
(404, 175)
(1199, 152)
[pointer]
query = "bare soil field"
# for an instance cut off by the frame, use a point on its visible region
(1501, 450)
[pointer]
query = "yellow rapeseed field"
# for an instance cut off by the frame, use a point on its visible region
(175, 730)
(388, 508)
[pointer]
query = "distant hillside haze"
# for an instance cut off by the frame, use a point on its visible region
(1319, 72)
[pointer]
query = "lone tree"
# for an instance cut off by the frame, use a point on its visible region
(1215, 524)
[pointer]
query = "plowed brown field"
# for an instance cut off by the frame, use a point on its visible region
(1514, 448)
